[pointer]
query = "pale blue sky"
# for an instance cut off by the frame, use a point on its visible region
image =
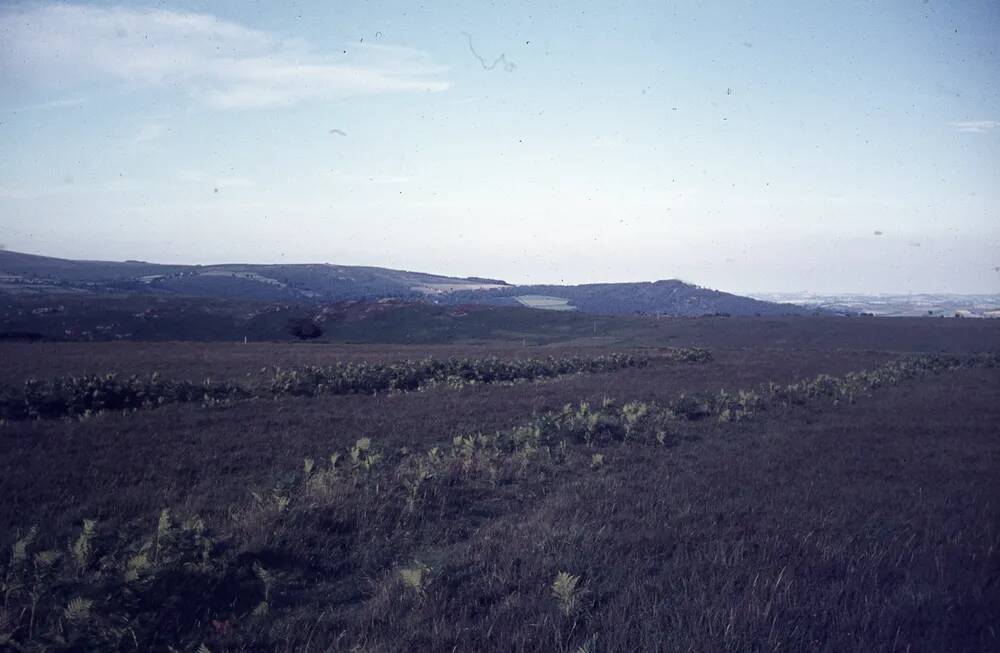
(742, 146)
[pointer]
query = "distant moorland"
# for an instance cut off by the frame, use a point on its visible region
(39, 275)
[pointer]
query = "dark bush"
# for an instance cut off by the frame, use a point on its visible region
(304, 328)
(81, 395)
(691, 408)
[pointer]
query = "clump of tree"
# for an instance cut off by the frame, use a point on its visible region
(304, 328)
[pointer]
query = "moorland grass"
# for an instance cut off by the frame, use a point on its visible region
(456, 547)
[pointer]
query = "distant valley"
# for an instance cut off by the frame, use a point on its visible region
(887, 305)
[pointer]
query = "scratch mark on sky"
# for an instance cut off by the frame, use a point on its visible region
(508, 66)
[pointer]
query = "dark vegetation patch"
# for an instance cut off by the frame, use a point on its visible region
(624, 526)
(83, 396)
(21, 336)
(351, 378)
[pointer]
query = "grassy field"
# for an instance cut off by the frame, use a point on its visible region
(635, 508)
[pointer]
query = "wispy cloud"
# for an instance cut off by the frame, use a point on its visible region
(29, 191)
(219, 63)
(214, 181)
(355, 178)
(613, 142)
(54, 104)
(233, 182)
(975, 126)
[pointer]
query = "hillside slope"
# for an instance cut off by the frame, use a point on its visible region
(27, 273)
(323, 283)
(665, 297)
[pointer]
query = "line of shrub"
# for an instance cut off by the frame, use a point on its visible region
(80, 396)
(77, 396)
(652, 421)
(370, 378)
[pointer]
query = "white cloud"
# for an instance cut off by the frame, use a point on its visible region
(975, 126)
(219, 63)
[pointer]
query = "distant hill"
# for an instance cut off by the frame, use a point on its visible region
(670, 297)
(27, 274)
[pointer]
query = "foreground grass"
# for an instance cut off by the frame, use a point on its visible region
(687, 525)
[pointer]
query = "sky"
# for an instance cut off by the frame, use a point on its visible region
(746, 146)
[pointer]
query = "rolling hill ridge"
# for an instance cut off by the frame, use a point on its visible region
(28, 274)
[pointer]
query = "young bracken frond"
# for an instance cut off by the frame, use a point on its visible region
(359, 449)
(163, 528)
(19, 554)
(163, 524)
(363, 455)
(281, 501)
(78, 610)
(567, 592)
(45, 559)
(633, 412)
(590, 646)
(136, 566)
(83, 549)
(267, 580)
(416, 578)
